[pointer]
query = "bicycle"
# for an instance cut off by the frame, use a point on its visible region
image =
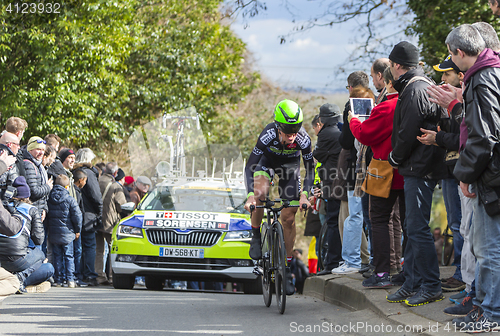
(272, 266)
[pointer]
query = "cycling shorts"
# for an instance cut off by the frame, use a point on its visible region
(288, 173)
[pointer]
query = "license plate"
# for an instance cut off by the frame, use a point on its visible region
(179, 252)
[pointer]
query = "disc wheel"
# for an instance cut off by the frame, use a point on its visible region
(279, 253)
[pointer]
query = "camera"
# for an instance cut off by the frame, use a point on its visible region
(10, 192)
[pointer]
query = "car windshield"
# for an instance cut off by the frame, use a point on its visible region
(195, 199)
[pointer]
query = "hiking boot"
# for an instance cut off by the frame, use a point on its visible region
(424, 297)
(376, 281)
(482, 324)
(458, 297)
(471, 317)
(80, 283)
(460, 310)
(400, 295)
(290, 287)
(255, 249)
(452, 285)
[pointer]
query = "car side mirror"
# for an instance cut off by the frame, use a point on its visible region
(128, 207)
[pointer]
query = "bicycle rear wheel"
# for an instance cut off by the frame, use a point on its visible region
(279, 260)
(322, 247)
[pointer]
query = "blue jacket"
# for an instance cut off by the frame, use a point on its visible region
(64, 217)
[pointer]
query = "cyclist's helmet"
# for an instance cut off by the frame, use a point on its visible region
(288, 116)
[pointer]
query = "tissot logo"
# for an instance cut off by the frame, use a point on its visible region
(163, 215)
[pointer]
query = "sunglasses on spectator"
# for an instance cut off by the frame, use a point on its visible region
(39, 141)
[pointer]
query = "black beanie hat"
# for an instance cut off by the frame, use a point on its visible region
(63, 154)
(119, 175)
(405, 53)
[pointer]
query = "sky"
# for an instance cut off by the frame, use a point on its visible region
(309, 60)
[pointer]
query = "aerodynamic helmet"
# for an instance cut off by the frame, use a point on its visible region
(288, 116)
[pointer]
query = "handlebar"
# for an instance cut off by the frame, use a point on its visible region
(268, 204)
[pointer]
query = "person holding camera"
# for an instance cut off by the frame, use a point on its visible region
(15, 254)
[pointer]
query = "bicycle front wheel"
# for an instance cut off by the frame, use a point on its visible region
(279, 253)
(266, 271)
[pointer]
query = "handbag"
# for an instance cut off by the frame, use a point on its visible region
(378, 180)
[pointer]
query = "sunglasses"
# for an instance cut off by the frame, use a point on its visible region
(38, 141)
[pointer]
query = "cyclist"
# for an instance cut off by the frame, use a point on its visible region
(278, 152)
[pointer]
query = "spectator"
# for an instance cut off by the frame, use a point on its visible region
(129, 183)
(65, 223)
(92, 214)
(327, 151)
(16, 126)
(9, 226)
(55, 168)
(9, 143)
(495, 7)
(141, 188)
(15, 254)
(476, 167)
(113, 198)
(36, 175)
(80, 180)
(49, 156)
(53, 140)
(376, 132)
(299, 270)
(120, 178)
(421, 166)
(448, 137)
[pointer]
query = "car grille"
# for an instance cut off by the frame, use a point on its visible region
(193, 238)
(182, 263)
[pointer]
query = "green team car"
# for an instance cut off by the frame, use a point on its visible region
(186, 228)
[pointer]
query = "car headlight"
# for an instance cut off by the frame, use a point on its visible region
(244, 235)
(125, 231)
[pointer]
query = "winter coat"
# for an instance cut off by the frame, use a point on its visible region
(413, 112)
(376, 132)
(9, 225)
(64, 218)
(56, 169)
(346, 140)
(36, 178)
(327, 152)
(112, 202)
(33, 228)
(91, 195)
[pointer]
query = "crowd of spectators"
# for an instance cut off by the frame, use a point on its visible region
(57, 212)
(379, 173)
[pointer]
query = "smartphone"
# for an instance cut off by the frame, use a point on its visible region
(361, 107)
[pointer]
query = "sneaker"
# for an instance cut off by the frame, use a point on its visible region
(400, 295)
(40, 288)
(255, 249)
(399, 279)
(345, 269)
(71, 284)
(57, 284)
(424, 297)
(482, 324)
(471, 317)
(452, 285)
(80, 283)
(367, 274)
(364, 268)
(460, 310)
(376, 281)
(65, 283)
(458, 297)
(290, 288)
(91, 282)
(21, 290)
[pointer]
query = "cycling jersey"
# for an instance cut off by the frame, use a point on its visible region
(270, 155)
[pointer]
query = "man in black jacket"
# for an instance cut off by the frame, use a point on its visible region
(327, 151)
(478, 167)
(421, 166)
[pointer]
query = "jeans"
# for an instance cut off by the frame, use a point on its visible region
(421, 262)
(334, 253)
(353, 229)
(468, 262)
(485, 233)
(454, 217)
(88, 255)
(64, 262)
(30, 268)
(77, 255)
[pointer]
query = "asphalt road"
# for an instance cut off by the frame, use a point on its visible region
(107, 311)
